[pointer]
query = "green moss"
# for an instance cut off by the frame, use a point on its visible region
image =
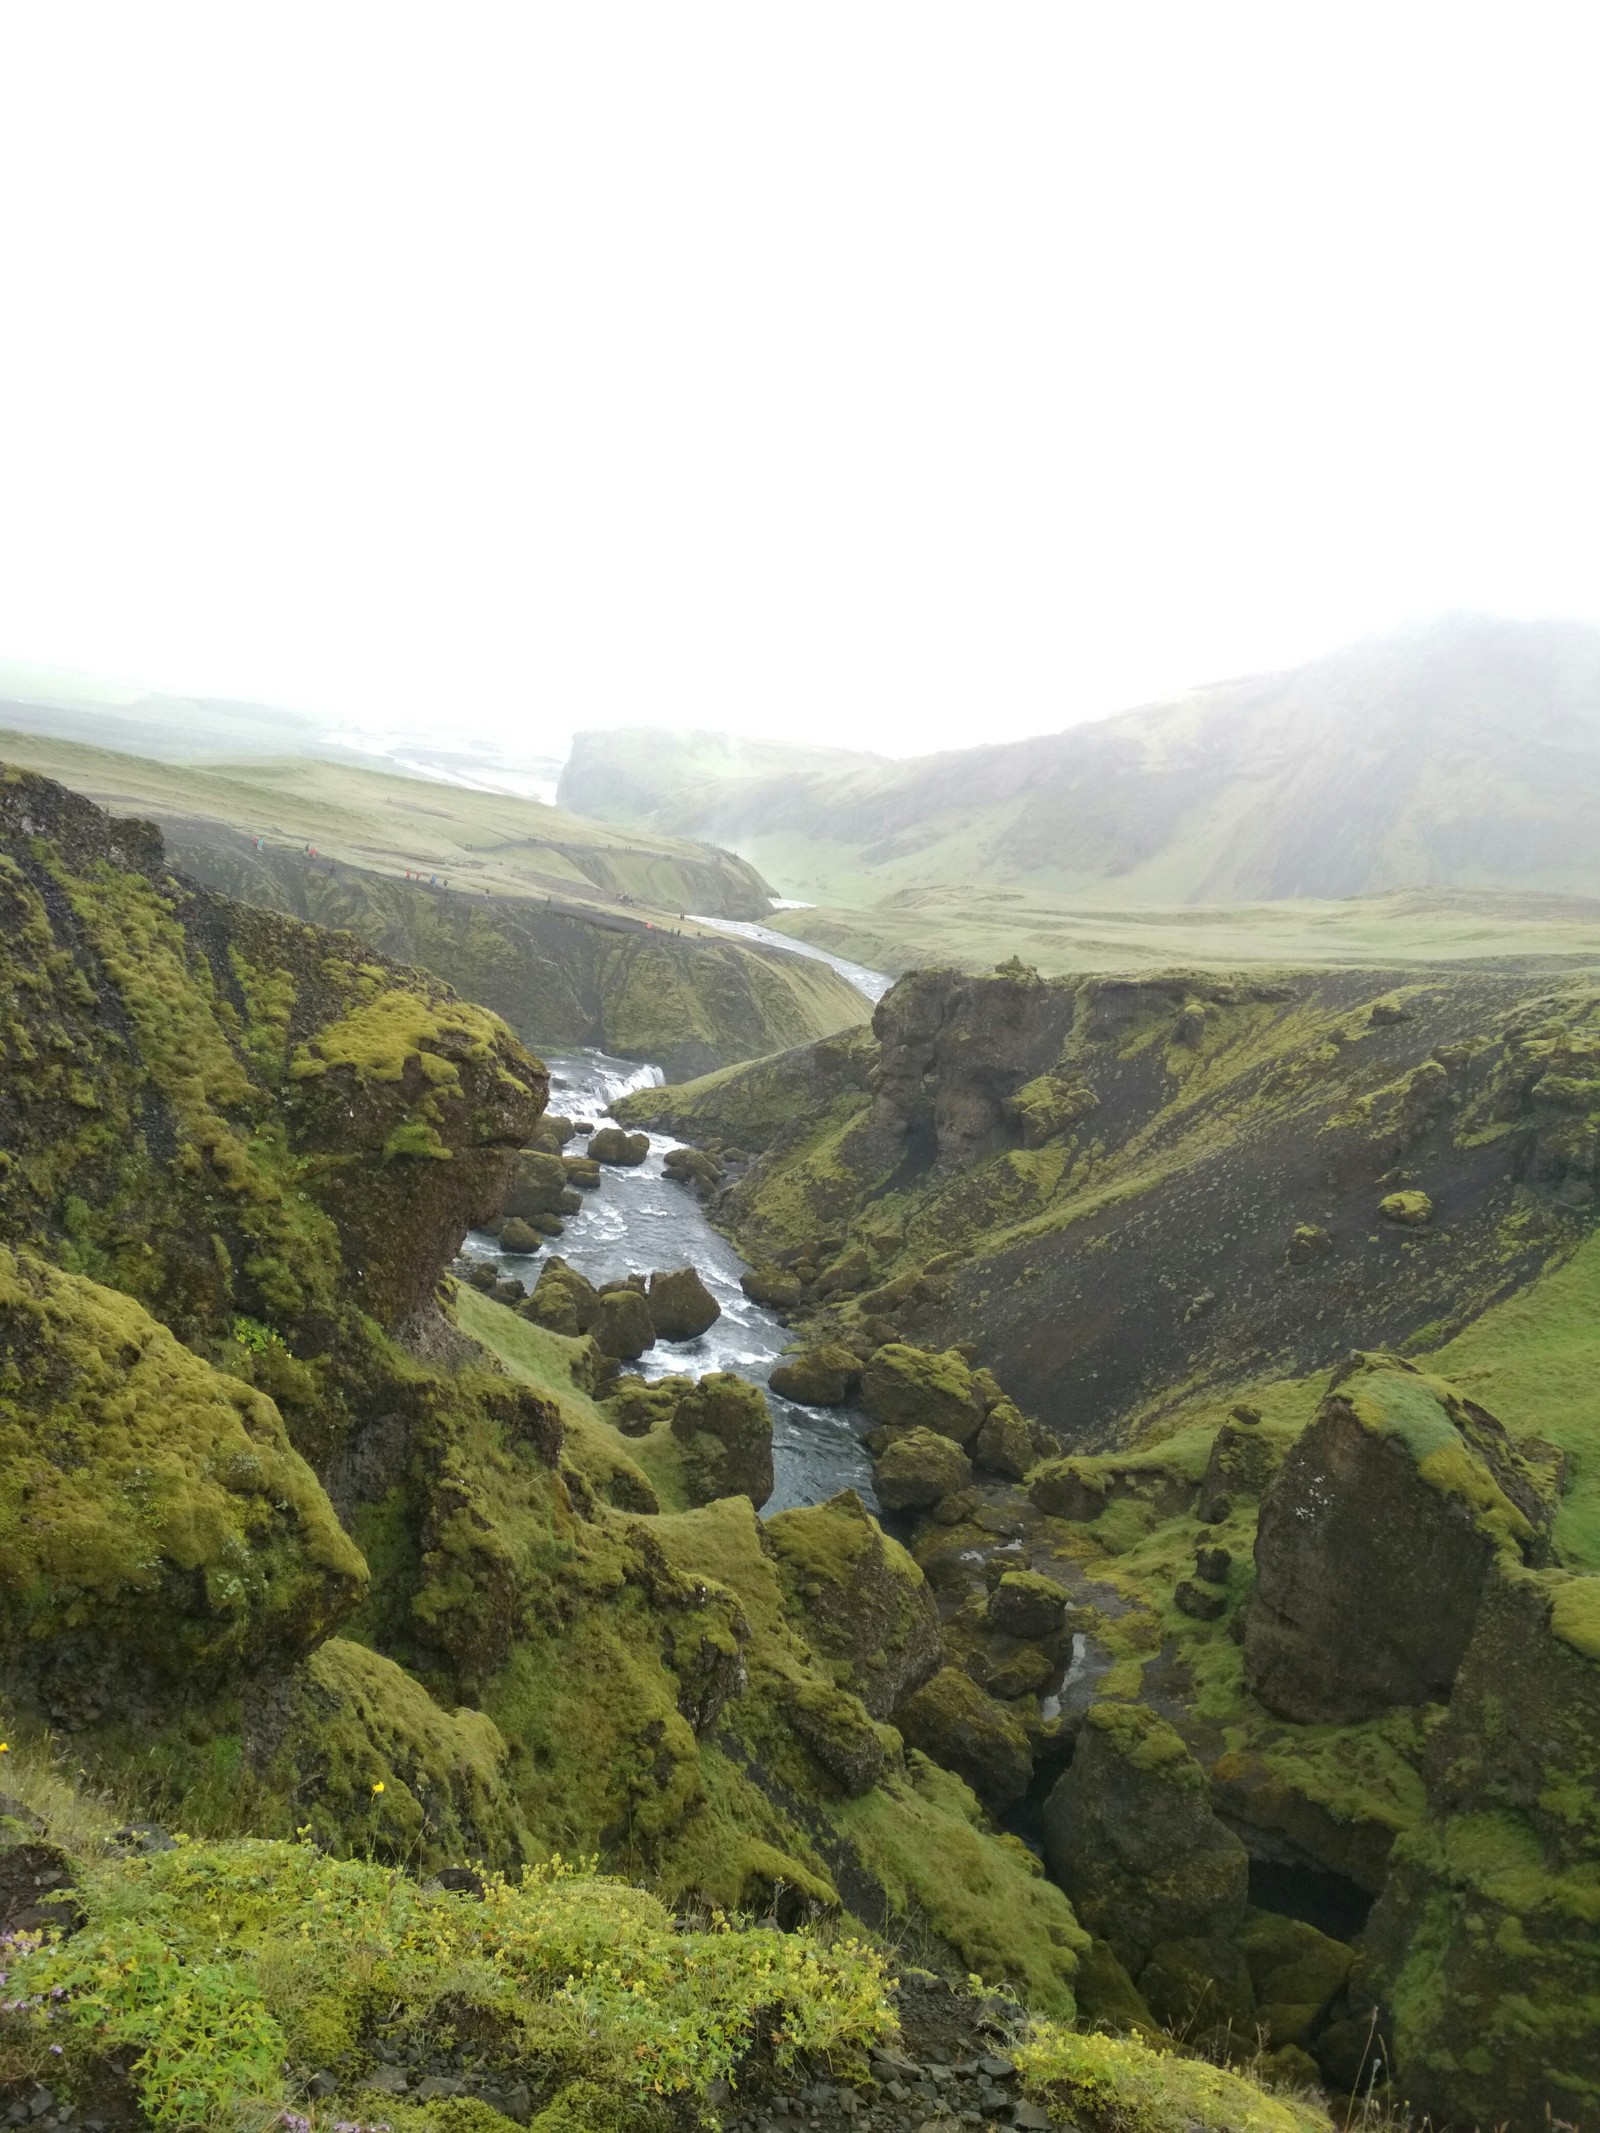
(228, 1973)
(153, 1517)
(1119, 2085)
(921, 1836)
(1575, 1614)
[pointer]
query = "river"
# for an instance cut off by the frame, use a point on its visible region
(640, 1220)
(873, 983)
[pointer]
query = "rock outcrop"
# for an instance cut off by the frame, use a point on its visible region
(1374, 1541)
(1482, 1947)
(160, 1535)
(725, 1428)
(825, 1376)
(863, 1601)
(1131, 1836)
(918, 1467)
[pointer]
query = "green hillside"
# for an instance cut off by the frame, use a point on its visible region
(1461, 757)
(568, 929)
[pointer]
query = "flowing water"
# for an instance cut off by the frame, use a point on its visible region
(640, 1220)
(874, 983)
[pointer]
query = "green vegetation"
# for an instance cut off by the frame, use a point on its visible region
(234, 1971)
(1119, 2085)
(1287, 819)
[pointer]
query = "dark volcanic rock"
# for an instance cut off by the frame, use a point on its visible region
(1374, 1541)
(1131, 1837)
(681, 1305)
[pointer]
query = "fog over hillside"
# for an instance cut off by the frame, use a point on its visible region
(1461, 754)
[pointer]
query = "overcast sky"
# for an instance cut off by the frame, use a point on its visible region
(895, 375)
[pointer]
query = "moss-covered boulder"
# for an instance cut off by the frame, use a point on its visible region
(1009, 1444)
(915, 1388)
(839, 1732)
(638, 1405)
(351, 1747)
(538, 1185)
(956, 1723)
(1048, 1107)
(1374, 1541)
(859, 1597)
(611, 1144)
(1483, 1946)
(1131, 1836)
(1297, 1974)
(916, 1468)
(824, 1376)
(1410, 1210)
(517, 1236)
(725, 1428)
(623, 1327)
(563, 1300)
(158, 1535)
(1027, 1604)
(1110, 2084)
(681, 1306)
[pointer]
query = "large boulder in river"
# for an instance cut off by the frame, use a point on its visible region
(538, 1185)
(725, 1428)
(860, 1599)
(1483, 1944)
(519, 1238)
(612, 1145)
(1374, 1541)
(681, 1305)
(818, 1377)
(917, 1467)
(623, 1328)
(918, 1388)
(1130, 1835)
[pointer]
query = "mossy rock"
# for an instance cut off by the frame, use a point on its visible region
(563, 1300)
(824, 1376)
(1200, 1990)
(517, 1236)
(725, 1427)
(351, 1747)
(916, 1468)
(1297, 1974)
(623, 1326)
(1105, 2084)
(1411, 1210)
(952, 1720)
(837, 1729)
(537, 1185)
(612, 1145)
(1482, 1945)
(158, 1535)
(1009, 1444)
(1374, 1541)
(1027, 1604)
(638, 1405)
(915, 1388)
(1131, 1836)
(681, 1306)
(860, 1598)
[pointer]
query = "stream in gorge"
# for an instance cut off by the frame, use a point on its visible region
(640, 1221)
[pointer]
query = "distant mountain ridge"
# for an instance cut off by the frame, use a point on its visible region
(1463, 754)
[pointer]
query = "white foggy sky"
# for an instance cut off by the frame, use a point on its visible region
(893, 375)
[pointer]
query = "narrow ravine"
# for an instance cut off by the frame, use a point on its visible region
(639, 1220)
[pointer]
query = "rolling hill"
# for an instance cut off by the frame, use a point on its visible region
(1464, 755)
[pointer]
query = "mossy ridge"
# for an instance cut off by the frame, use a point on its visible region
(1121, 2085)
